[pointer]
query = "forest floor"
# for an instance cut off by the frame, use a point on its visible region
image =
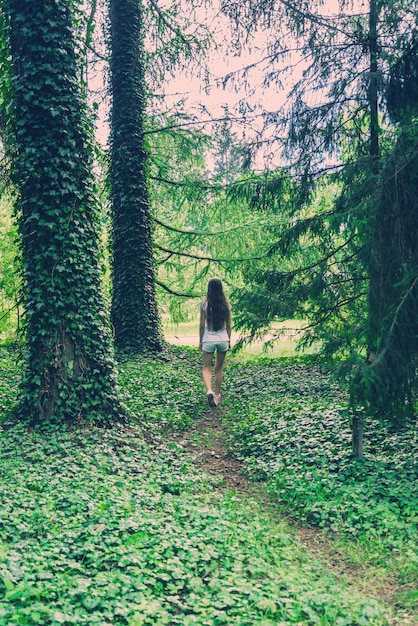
(253, 513)
(207, 443)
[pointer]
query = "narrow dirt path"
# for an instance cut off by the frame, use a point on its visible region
(206, 443)
(208, 446)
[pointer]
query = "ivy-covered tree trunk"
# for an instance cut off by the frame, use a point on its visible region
(70, 373)
(134, 310)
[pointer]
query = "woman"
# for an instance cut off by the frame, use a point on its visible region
(215, 335)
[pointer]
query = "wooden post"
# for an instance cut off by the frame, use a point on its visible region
(357, 430)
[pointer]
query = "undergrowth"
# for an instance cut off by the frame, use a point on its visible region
(108, 527)
(288, 423)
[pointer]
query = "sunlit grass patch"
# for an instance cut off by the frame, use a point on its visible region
(187, 334)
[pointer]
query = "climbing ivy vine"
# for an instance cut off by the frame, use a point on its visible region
(134, 310)
(69, 373)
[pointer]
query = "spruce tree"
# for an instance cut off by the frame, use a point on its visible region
(393, 297)
(349, 269)
(393, 259)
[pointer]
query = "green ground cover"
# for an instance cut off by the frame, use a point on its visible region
(119, 527)
(288, 423)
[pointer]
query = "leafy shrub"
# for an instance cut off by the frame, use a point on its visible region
(9, 380)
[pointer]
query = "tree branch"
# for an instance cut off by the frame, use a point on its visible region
(197, 122)
(176, 31)
(176, 293)
(300, 270)
(202, 233)
(205, 258)
(328, 312)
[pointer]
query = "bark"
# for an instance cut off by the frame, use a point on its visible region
(373, 94)
(134, 309)
(70, 373)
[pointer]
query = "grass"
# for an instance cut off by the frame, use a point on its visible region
(119, 527)
(187, 334)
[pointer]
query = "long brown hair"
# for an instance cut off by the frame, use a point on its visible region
(218, 310)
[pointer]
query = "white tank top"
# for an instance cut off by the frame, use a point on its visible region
(213, 335)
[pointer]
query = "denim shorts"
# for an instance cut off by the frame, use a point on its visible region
(211, 346)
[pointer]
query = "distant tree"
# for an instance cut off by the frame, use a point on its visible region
(10, 292)
(70, 374)
(230, 154)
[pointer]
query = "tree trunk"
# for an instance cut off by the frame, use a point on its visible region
(373, 93)
(134, 310)
(357, 434)
(70, 373)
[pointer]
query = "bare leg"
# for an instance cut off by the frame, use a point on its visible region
(207, 370)
(219, 363)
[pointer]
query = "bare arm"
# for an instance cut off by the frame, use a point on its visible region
(201, 327)
(228, 326)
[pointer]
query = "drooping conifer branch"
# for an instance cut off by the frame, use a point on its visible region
(205, 258)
